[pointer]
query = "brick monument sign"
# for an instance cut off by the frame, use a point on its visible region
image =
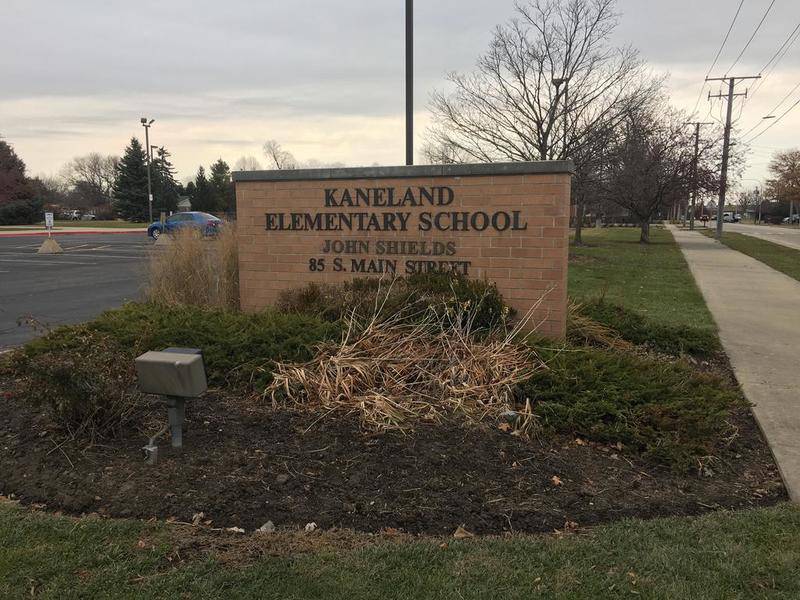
(506, 222)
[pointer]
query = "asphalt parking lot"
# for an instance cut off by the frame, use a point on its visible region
(96, 272)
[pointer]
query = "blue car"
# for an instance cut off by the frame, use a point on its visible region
(205, 223)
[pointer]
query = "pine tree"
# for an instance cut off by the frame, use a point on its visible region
(13, 183)
(203, 198)
(19, 201)
(222, 187)
(165, 188)
(130, 187)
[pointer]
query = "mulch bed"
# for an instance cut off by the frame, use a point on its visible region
(244, 464)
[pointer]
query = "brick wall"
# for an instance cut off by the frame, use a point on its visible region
(525, 254)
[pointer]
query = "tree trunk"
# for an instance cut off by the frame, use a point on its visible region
(644, 238)
(580, 207)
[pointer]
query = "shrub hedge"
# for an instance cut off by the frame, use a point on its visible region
(406, 297)
(667, 411)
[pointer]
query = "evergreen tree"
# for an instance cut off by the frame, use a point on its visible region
(203, 197)
(13, 183)
(222, 187)
(130, 186)
(165, 189)
(19, 201)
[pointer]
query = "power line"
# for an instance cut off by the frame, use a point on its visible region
(716, 58)
(784, 48)
(771, 112)
(774, 122)
(747, 45)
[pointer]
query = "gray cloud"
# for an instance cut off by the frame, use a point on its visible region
(221, 77)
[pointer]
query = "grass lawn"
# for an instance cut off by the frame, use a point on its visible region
(643, 291)
(100, 224)
(748, 554)
(783, 259)
(93, 224)
(653, 279)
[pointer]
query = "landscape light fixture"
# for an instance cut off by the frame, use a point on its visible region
(146, 126)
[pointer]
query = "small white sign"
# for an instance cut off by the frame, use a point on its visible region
(48, 220)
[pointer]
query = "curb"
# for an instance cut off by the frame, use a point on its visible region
(82, 232)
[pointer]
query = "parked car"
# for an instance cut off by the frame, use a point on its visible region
(88, 217)
(795, 219)
(203, 222)
(730, 218)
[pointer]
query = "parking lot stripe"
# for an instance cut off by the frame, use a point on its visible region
(44, 261)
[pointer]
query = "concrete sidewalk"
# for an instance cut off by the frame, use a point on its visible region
(757, 311)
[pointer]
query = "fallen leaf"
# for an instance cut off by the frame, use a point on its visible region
(141, 544)
(461, 533)
(197, 517)
(580, 442)
(235, 529)
(556, 480)
(504, 427)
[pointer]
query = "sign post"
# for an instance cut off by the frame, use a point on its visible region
(50, 245)
(48, 222)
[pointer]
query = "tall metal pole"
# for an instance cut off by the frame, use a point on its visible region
(566, 120)
(146, 126)
(409, 82)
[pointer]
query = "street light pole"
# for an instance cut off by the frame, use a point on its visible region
(146, 124)
(409, 82)
(557, 81)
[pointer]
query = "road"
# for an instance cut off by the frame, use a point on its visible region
(785, 236)
(95, 273)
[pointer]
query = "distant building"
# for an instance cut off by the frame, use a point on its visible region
(184, 203)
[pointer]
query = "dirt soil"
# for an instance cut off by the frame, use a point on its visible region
(242, 466)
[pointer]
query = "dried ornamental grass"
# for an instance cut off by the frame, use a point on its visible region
(394, 373)
(195, 270)
(583, 330)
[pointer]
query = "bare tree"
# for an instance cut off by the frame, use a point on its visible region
(247, 163)
(648, 165)
(282, 159)
(549, 79)
(784, 185)
(92, 176)
(748, 200)
(278, 157)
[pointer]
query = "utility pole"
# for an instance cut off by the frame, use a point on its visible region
(697, 125)
(409, 82)
(723, 181)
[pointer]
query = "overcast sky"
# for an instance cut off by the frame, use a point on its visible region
(323, 78)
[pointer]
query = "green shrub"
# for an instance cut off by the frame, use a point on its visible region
(408, 297)
(666, 411)
(89, 391)
(635, 328)
(21, 212)
(237, 347)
